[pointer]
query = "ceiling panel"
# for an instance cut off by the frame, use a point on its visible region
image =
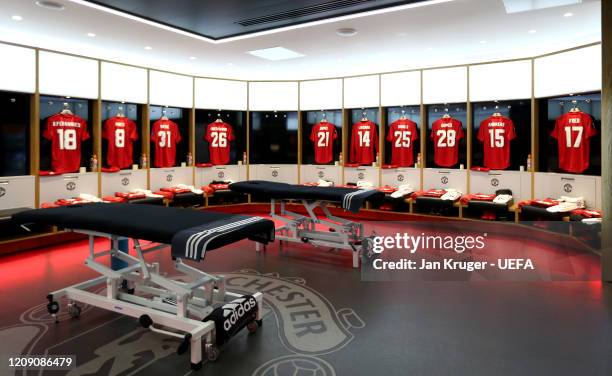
(230, 18)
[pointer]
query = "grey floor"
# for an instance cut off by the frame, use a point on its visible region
(321, 320)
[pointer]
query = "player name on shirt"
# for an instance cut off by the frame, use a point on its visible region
(63, 123)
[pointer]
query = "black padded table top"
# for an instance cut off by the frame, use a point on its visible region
(6, 214)
(351, 198)
(158, 224)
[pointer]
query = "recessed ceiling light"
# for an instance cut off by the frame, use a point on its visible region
(568, 14)
(533, 31)
(17, 18)
(91, 35)
(401, 34)
(483, 42)
(429, 48)
(192, 57)
(50, 5)
(346, 32)
(148, 48)
(275, 53)
(230, 64)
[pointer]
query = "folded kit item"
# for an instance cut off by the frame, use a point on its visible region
(389, 166)
(201, 165)
(451, 195)
(325, 183)
(208, 190)
(576, 200)
(362, 184)
(146, 192)
(563, 207)
(175, 190)
(588, 213)
(46, 205)
(165, 194)
(502, 199)
(110, 169)
(113, 199)
(591, 221)
(351, 165)
(220, 186)
(545, 203)
(387, 189)
(90, 198)
(402, 190)
(191, 188)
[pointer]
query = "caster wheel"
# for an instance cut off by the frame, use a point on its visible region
(53, 308)
(259, 323)
(74, 310)
(252, 327)
(196, 366)
(212, 353)
(145, 321)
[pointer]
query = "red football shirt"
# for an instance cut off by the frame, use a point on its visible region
(364, 142)
(323, 135)
(219, 135)
(446, 133)
(120, 132)
(65, 131)
(401, 134)
(495, 133)
(165, 134)
(573, 132)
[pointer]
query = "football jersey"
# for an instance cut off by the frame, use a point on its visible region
(364, 142)
(323, 135)
(446, 133)
(573, 132)
(65, 131)
(219, 135)
(402, 134)
(166, 135)
(495, 133)
(120, 132)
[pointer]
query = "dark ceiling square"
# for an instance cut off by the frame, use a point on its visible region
(227, 18)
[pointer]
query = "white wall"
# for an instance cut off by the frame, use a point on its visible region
(66, 75)
(17, 69)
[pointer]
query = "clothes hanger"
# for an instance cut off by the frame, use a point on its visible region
(120, 112)
(364, 116)
(164, 117)
(446, 114)
(497, 113)
(403, 116)
(575, 107)
(324, 118)
(219, 120)
(66, 110)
